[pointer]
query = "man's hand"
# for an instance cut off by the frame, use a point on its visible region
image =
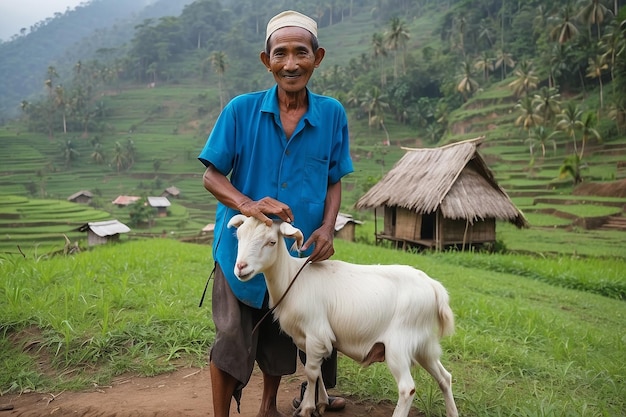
(322, 238)
(265, 207)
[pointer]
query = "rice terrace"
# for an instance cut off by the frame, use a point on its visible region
(110, 325)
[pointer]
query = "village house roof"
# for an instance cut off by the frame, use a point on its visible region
(173, 191)
(158, 202)
(343, 219)
(453, 178)
(124, 200)
(105, 228)
(79, 193)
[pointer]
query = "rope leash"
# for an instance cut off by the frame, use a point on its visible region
(271, 310)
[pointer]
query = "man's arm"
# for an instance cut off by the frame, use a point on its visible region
(217, 184)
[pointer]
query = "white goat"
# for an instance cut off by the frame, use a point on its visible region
(370, 313)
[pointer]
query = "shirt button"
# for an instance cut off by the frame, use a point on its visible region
(284, 185)
(287, 152)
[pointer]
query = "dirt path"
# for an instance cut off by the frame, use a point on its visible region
(183, 393)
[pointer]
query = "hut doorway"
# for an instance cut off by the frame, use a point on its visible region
(427, 231)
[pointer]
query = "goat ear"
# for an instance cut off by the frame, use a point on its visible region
(288, 230)
(237, 220)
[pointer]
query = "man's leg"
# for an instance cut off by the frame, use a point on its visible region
(270, 393)
(222, 386)
(329, 376)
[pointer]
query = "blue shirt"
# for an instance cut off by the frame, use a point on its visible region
(249, 144)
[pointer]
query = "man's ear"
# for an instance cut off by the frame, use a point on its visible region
(319, 56)
(265, 59)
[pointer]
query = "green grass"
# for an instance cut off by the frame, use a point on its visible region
(534, 335)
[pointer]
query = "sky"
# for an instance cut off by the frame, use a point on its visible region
(18, 14)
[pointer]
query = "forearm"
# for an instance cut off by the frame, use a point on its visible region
(217, 184)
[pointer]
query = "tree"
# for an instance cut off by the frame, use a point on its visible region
(588, 123)
(529, 118)
(503, 60)
(375, 105)
(379, 52)
(593, 13)
(543, 136)
(565, 29)
(219, 62)
(569, 121)
(396, 38)
(467, 85)
(526, 79)
(571, 167)
(547, 103)
(69, 153)
(97, 155)
(594, 70)
(119, 157)
(484, 64)
(61, 103)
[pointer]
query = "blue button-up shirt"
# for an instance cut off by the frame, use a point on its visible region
(249, 144)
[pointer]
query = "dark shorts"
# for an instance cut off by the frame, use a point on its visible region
(236, 348)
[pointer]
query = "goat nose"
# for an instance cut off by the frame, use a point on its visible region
(241, 266)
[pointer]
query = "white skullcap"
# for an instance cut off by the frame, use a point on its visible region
(290, 18)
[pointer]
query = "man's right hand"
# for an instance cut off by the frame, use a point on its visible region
(265, 207)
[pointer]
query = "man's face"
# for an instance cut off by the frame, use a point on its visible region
(291, 58)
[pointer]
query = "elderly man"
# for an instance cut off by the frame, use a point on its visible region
(279, 153)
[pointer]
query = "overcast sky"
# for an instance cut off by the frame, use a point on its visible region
(18, 14)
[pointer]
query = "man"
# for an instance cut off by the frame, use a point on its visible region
(279, 153)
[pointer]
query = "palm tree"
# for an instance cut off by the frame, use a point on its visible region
(588, 123)
(529, 118)
(526, 80)
(396, 38)
(543, 136)
(97, 155)
(593, 14)
(61, 103)
(379, 52)
(571, 167)
(375, 104)
(484, 64)
(547, 103)
(503, 60)
(594, 70)
(613, 44)
(570, 121)
(119, 157)
(565, 29)
(219, 62)
(69, 153)
(467, 85)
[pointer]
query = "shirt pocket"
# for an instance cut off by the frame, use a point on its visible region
(315, 181)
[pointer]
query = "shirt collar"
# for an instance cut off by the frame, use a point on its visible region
(270, 105)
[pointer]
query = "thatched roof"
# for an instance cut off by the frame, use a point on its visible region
(453, 178)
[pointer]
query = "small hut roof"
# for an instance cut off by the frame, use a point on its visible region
(343, 219)
(172, 191)
(124, 200)
(105, 228)
(158, 202)
(79, 193)
(454, 178)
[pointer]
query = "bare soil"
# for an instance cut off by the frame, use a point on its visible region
(183, 393)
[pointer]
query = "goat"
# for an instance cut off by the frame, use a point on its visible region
(371, 313)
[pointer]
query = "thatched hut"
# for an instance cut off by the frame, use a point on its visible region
(345, 227)
(440, 197)
(82, 196)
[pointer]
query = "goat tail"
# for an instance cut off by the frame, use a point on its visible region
(444, 312)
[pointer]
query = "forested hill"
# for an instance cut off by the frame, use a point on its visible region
(65, 38)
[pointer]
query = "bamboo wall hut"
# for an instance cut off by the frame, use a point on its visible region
(345, 226)
(440, 197)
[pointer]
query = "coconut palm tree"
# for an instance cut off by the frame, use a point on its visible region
(503, 60)
(594, 70)
(547, 104)
(571, 167)
(375, 104)
(484, 64)
(379, 52)
(613, 44)
(529, 117)
(526, 79)
(97, 155)
(569, 121)
(593, 13)
(219, 62)
(543, 136)
(565, 29)
(588, 124)
(69, 153)
(467, 85)
(396, 36)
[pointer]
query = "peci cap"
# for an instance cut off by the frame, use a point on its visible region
(290, 18)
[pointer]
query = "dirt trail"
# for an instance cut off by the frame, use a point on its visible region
(183, 393)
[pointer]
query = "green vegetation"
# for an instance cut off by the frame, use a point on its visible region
(533, 333)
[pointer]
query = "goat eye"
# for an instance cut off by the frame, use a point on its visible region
(271, 242)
